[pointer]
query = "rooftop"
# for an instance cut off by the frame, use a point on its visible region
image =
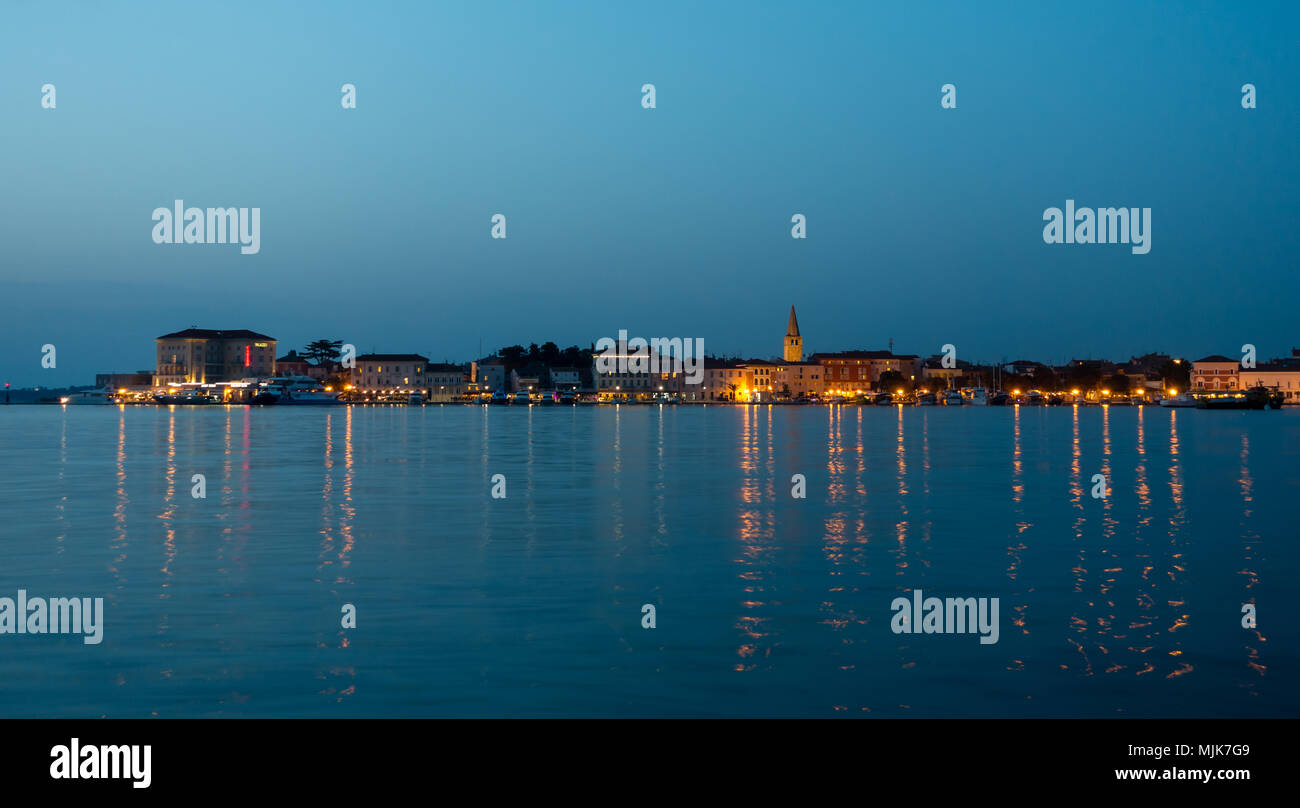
(392, 357)
(207, 333)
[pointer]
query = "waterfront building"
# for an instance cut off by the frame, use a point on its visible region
(137, 381)
(845, 372)
(489, 374)
(724, 380)
(1278, 374)
(1215, 372)
(294, 364)
(529, 382)
(615, 379)
(852, 372)
(759, 379)
(627, 385)
(566, 379)
(934, 376)
(380, 374)
(797, 380)
(207, 356)
(445, 382)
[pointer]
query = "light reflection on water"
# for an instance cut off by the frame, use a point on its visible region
(767, 604)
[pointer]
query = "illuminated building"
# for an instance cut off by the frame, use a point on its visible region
(206, 356)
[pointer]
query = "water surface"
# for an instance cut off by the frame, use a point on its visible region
(766, 604)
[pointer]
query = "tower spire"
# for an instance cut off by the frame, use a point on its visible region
(793, 342)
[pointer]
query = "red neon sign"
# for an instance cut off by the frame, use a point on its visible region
(248, 356)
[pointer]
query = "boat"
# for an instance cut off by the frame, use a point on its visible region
(883, 399)
(835, 400)
(1232, 400)
(1180, 400)
(1273, 398)
(927, 400)
(499, 397)
(1034, 399)
(187, 398)
(416, 398)
(522, 397)
(953, 398)
(1000, 399)
(567, 397)
(294, 390)
(550, 399)
(978, 396)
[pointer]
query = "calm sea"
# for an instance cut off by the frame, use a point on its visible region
(765, 604)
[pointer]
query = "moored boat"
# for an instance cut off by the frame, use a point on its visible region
(1232, 400)
(294, 390)
(185, 398)
(1180, 400)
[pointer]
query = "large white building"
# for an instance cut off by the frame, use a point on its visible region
(208, 356)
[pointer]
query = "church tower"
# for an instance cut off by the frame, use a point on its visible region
(793, 342)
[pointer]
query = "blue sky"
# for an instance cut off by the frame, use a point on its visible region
(924, 224)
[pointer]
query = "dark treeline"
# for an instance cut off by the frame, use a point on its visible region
(517, 357)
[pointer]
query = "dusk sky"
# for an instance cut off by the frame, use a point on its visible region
(925, 224)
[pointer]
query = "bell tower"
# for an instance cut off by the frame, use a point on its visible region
(793, 342)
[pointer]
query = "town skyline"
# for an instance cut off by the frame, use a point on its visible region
(923, 223)
(777, 353)
(232, 364)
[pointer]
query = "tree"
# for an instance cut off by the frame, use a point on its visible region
(1081, 378)
(1117, 384)
(1176, 375)
(513, 356)
(891, 380)
(324, 351)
